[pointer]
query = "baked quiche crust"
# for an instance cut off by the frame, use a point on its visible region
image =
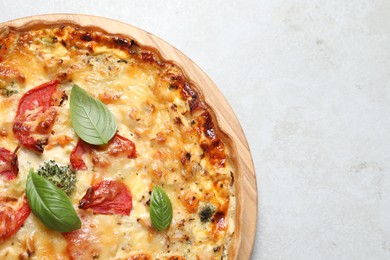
(178, 145)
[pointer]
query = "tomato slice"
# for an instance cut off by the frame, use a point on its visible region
(139, 257)
(76, 157)
(219, 223)
(108, 197)
(8, 164)
(35, 116)
(82, 243)
(117, 146)
(120, 145)
(12, 220)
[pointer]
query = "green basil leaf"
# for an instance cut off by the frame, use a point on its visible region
(91, 119)
(160, 209)
(50, 204)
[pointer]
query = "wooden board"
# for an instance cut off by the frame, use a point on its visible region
(227, 121)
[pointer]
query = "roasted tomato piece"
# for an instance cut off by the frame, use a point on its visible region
(120, 145)
(82, 242)
(10, 219)
(76, 157)
(108, 197)
(138, 257)
(117, 146)
(176, 257)
(35, 116)
(8, 164)
(219, 223)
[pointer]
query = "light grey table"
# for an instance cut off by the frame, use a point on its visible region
(310, 82)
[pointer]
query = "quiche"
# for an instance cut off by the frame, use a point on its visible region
(158, 180)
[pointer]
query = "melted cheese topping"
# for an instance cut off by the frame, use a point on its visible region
(177, 147)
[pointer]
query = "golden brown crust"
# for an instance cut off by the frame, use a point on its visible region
(215, 144)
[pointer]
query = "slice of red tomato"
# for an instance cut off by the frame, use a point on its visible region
(35, 116)
(76, 157)
(108, 197)
(8, 164)
(82, 243)
(120, 145)
(117, 146)
(12, 220)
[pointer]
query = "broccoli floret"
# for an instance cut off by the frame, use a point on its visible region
(206, 212)
(62, 176)
(6, 92)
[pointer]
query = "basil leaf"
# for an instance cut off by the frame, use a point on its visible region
(50, 204)
(91, 119)
(160, 209)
